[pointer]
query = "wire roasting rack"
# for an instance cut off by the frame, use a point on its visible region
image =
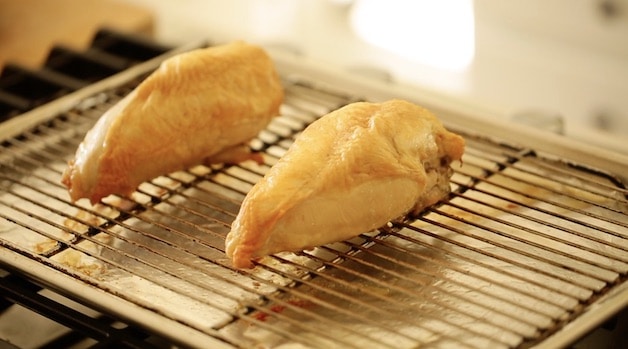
(524, 246)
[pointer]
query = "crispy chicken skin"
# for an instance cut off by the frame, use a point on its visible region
(199, 106)
(349, 172)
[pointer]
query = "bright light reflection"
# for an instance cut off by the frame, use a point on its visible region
(439, 33)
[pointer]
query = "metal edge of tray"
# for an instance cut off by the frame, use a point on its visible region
(593, 316)
(456, 111)
(107, 302)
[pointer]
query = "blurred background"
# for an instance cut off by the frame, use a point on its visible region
(556, 64)
(560, 65)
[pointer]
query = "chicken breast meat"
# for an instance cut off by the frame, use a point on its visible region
(199, 106)
(349, 172)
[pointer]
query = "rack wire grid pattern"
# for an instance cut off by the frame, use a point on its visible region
(521, 247)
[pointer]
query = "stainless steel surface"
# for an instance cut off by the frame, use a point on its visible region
(526, 246)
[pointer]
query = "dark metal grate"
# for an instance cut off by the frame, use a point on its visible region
(66, 70)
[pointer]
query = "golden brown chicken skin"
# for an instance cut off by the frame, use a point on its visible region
(202, 106)
(349, 172)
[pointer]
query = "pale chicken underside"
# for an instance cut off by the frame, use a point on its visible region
(350, 172)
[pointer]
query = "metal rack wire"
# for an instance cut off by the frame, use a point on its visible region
(522, 246)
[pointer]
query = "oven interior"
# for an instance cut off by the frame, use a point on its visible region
(528, 250)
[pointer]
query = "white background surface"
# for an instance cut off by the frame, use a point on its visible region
(558, 57)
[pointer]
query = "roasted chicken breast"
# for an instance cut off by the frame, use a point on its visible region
(199, 106)
(351, 171)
